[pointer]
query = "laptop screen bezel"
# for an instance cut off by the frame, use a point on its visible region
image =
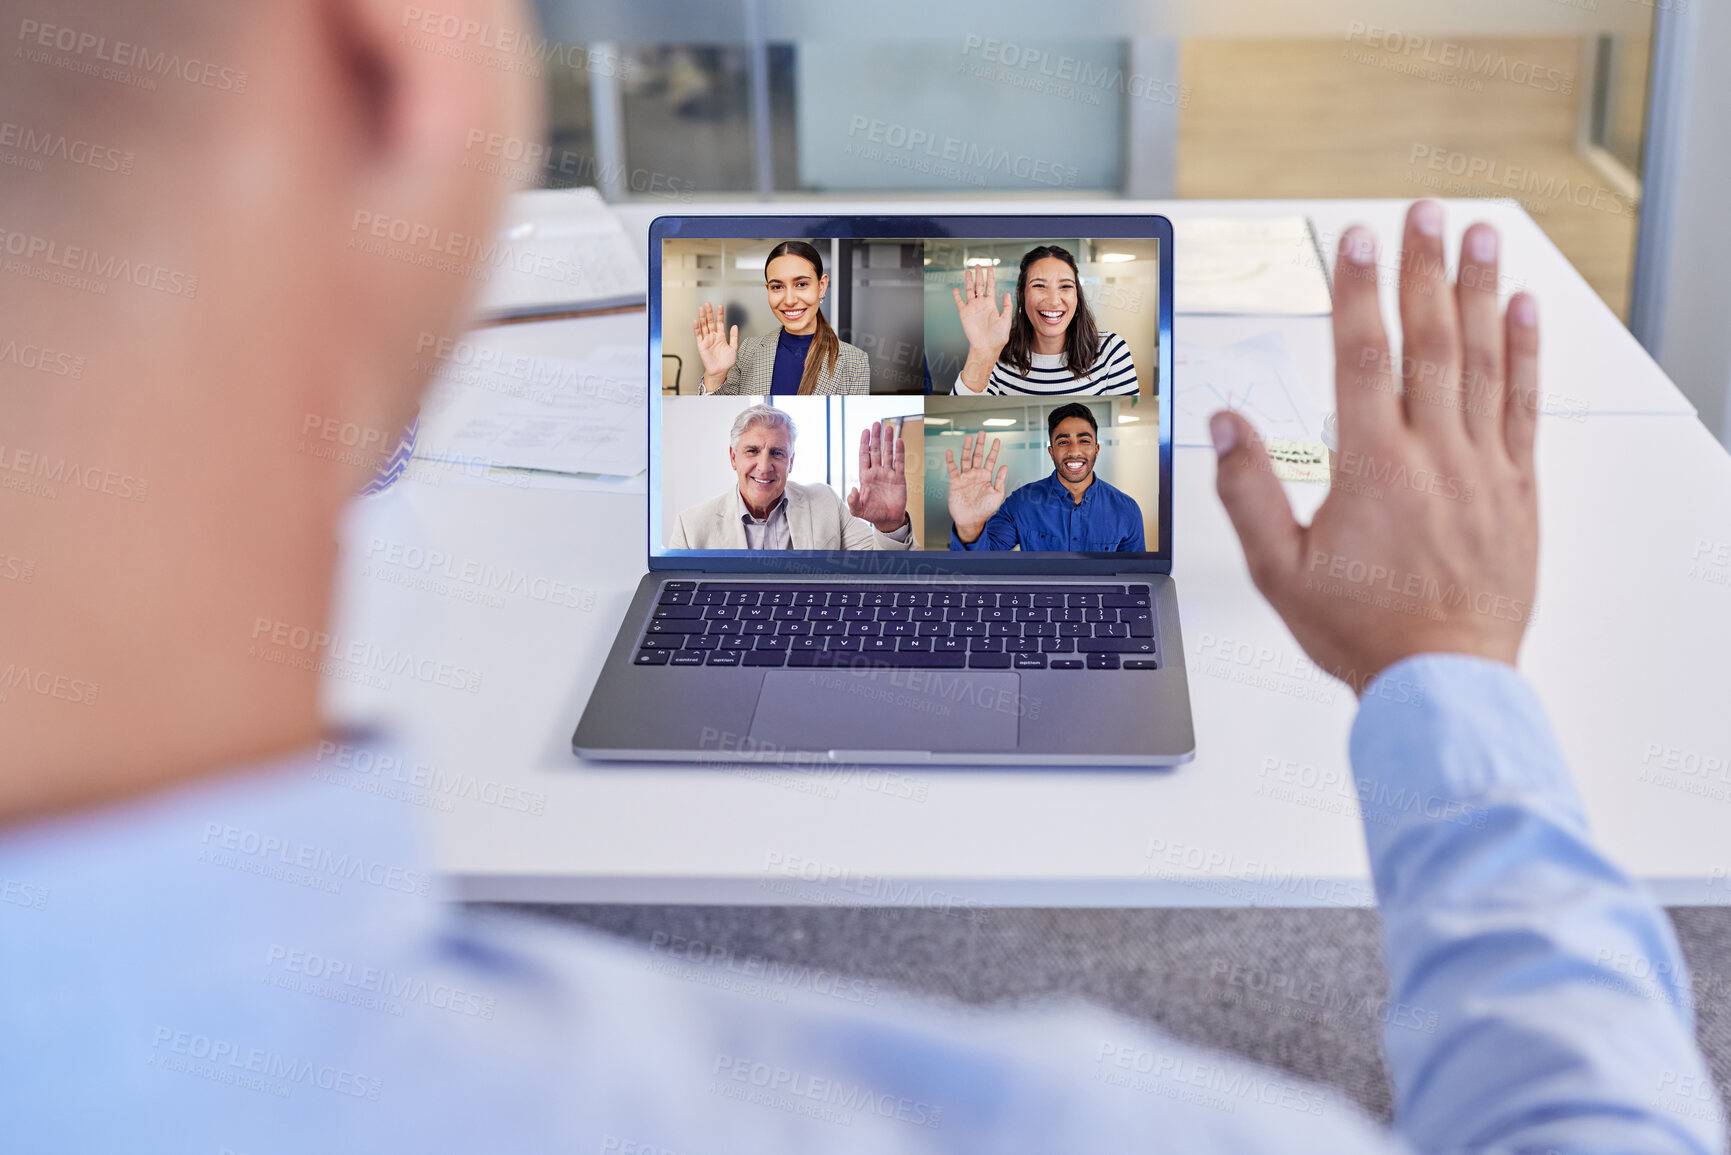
(903, 563)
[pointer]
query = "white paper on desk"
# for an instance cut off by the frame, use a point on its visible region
(522, 412)
(561, 251)
(1255, 377)
(1264, 266)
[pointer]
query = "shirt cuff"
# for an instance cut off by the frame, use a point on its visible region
(1439, 734)
(905, 533)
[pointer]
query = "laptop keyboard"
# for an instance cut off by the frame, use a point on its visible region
(995, 627)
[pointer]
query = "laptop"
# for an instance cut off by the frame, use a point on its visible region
(909, 497)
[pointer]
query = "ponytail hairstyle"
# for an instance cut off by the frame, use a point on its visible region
(1081, 343)
(825, 345)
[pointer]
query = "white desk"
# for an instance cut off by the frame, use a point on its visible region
(1624, 651)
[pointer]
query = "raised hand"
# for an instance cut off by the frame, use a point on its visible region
(985, 325)
(718, 349)
(975, 493)
(881, 497)
(1428, 541)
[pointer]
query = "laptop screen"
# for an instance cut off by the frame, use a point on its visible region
(856, 393)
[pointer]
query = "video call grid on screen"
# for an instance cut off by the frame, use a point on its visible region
(902, 355)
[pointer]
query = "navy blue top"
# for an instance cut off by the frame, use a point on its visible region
(1043, 515)
(790, 354)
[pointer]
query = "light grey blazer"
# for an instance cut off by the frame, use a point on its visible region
(751, 372)
(816, 519)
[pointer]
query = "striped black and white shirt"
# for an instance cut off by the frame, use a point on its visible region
(1113, 374)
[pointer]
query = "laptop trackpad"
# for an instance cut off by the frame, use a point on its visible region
(860, 710)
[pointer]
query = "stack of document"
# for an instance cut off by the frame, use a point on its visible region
(567, 397)
(561, 251)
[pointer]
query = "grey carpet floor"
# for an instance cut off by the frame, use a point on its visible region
(1299, 990)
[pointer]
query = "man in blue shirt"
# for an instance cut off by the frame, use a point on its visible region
(1072, 510)
(211, 941)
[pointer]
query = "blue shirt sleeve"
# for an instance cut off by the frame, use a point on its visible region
(1561, 1002)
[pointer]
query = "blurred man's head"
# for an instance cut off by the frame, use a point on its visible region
(760, 449)
(222, 298)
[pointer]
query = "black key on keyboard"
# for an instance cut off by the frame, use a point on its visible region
(723, 658)
(653, 657)
(765, 657)
(989, 661)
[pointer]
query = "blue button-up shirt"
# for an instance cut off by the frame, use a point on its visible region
(1042, 515)
(264, 964)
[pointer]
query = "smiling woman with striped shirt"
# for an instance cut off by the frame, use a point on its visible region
(1050, 346)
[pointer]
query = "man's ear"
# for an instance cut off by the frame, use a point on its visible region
(417, 223)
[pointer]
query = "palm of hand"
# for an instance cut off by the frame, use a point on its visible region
(975, 497)
(882, 494)
(983, 324)
(717, 352)
(977, 485)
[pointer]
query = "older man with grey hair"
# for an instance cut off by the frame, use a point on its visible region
(766, 510)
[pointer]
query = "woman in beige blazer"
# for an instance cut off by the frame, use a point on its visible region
(801, 358)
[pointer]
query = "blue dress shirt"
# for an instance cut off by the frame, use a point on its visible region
(1042, 515)
(263, 963)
